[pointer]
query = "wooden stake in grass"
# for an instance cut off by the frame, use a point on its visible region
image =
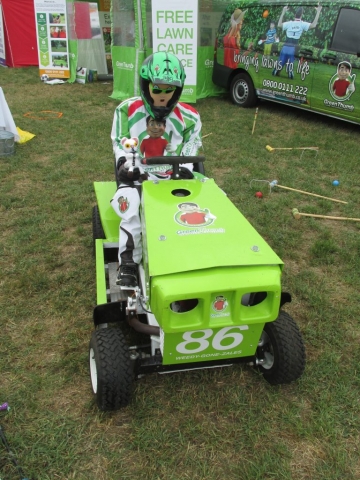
(255, 117)
(297, 215)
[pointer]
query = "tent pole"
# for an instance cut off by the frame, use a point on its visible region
(140, 25)
(140, 49)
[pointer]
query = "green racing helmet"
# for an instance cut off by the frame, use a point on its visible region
(161, 68)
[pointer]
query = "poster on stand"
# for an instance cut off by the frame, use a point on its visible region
(2, 40)
(52, 38)
(174, 30)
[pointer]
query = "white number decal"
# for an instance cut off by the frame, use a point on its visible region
(222, 334)
(203, 343)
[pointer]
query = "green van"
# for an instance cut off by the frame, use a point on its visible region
(304, 54)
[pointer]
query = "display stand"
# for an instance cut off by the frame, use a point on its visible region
(6, 120)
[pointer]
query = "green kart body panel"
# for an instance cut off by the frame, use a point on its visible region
(198, 249)
(104, 192)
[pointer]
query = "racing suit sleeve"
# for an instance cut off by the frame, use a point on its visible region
(192, 138)
(120, 128)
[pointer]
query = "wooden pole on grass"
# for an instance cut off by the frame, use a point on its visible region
(275, 184)
(297, 215)
(255, 117)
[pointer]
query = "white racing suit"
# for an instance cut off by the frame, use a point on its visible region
(183, 132)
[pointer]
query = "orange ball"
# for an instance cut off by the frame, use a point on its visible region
(265, 13)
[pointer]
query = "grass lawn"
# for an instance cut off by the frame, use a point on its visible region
(202, 425)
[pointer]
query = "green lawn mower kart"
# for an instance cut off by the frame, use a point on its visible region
(209, 291)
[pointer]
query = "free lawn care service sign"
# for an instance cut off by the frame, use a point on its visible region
(174, 26)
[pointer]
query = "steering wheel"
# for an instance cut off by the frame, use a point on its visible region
(175, 162)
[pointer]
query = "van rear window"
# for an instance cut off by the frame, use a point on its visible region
(346, 36)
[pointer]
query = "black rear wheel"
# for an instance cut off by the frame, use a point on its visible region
(98, 231)
(110, 369)
(281, 353)
(242, 91)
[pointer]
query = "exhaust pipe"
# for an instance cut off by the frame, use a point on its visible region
(140, 327)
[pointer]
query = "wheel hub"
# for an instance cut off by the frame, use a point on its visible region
(93, 371)
(264, 353)
(241, 91)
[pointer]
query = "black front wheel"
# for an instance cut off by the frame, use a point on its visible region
(280, 355)
(242, 91)
(199, 167)
(110, 369)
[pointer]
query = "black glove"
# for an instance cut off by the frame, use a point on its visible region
(123, 173)
(185, 173)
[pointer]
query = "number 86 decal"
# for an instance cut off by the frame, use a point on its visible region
(216, 342)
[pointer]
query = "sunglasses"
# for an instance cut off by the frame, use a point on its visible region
(156, 90)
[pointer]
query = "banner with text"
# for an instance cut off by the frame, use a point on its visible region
(174, 30)
(52, 38)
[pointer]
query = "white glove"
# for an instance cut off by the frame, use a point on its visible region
(169, 148)
(351, 88)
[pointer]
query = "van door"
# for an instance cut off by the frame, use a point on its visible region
(289, 80)
(289, 69)
(336, 86)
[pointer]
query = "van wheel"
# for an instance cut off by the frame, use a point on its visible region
(281, 353)
(242, 91)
